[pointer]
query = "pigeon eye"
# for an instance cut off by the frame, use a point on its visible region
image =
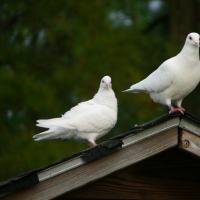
(190, 38)
(103, 81)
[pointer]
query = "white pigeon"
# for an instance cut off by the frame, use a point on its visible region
(87, 121)
(175, 78)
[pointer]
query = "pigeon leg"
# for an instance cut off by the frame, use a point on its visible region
(92, 143)
(169, 104)
(179, 105)
(175, 109)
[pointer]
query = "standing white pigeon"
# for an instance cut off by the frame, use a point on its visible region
(87, 121)
(175, 78)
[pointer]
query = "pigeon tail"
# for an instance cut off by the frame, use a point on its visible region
(48, 123)
(131, 91)
(135, 88)
(43, 135)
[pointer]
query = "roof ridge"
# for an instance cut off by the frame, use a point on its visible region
(100, 150)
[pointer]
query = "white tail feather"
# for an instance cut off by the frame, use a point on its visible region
(138, 87)
(48, 123)
(43, 135)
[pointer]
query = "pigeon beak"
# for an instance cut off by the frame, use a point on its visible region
(108, 85)
(196, 44)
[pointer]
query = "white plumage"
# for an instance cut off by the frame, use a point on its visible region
(87, 121)
(175, 78)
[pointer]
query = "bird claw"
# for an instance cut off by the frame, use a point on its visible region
(183, 109)
(178, 109)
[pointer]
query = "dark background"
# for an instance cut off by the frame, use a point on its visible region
(54, 53)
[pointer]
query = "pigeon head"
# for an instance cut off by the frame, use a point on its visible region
(193, 39)
(106, 82)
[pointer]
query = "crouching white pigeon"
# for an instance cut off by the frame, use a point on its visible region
(175, 78)
(87, 121)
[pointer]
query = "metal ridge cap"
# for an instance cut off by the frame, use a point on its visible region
(86, 156)
(139, 128)
(60, 168)
(146, 133)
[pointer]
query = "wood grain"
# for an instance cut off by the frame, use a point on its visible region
(171, 175)
(190, 142)
(92, 171)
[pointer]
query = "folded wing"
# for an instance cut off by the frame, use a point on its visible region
(158, 81)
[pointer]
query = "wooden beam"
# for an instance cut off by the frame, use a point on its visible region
(162, 176)
(97, 169)
(190, 126)
(190, 142)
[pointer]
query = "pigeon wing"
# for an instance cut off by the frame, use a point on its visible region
(86, 117)
(96, 120)
(72, 113)
(89, 117)
(158, 81)
(78, 109)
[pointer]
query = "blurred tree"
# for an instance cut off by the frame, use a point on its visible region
(183, 18)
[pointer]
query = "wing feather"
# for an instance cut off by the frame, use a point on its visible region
(157, 81)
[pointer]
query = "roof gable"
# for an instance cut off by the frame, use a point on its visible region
(114, 154)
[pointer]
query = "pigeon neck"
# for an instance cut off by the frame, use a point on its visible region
(103, 90)
(191, 51)
(106, 97)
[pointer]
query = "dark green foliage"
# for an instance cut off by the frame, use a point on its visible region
(53, 55)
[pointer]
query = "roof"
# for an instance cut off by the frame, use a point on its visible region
(138, 143)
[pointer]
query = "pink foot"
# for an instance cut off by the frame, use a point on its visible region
(174, 110)
(183, 109)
